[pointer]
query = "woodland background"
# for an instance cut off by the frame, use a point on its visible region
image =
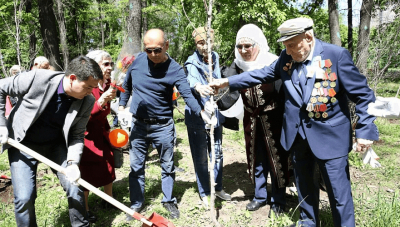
(64, 29)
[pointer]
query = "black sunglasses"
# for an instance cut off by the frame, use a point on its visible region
(155, 50)
(246, 46)
(106, 64)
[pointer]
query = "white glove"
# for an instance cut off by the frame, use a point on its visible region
(210, 107)
(363, 145)
(72, 173)
(3, 134)
(203, 90)
(208, 119)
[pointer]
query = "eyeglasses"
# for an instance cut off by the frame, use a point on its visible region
(155, 50)
(106, 64)
(246, 46)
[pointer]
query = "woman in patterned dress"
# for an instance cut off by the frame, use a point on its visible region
(262, 122)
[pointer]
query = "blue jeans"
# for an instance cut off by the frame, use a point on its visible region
(262, 167)
(200, 146)
(141, 137)
(23, 172)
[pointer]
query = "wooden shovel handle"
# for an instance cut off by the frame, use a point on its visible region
(82, 182)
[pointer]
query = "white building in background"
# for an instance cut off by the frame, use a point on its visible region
(384, 17)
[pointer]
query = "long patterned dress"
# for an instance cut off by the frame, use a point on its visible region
(263, 113)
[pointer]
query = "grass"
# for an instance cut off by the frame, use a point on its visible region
(375, 191)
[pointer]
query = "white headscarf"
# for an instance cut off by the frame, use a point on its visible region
(264, 57)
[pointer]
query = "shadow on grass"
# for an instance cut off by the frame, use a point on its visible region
(236, 178)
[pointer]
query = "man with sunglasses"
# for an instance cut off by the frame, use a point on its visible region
(151, 79)
(318, 79)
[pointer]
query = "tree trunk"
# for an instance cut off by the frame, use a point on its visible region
(101, 26)
(350, 26)
(334, 22)
(79, 28)
(144, 18)
(63, 31)
(17, 20)
(2, 65)
(32, 36)
(363, 35)
(133, 25)
(48, 29)
(32, 48)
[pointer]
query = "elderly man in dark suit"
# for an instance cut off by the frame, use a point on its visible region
(50, 117)
(318, 78)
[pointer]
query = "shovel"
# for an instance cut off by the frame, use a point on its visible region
(155, 219)
(5, 177)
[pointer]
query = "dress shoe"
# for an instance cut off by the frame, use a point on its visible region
(254, 205)
(91, 217)
(223, 195)
(172, 209)
(278, 211)
(137, 210)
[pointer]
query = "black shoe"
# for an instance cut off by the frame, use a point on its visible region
(178, 169)
(254, 205)
(172, 209)
(137, 210)
(278, 211)
(106, 205)
(91, 217)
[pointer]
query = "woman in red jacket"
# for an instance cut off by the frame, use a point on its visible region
(97, 163)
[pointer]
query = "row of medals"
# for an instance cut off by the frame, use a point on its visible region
(321, 91)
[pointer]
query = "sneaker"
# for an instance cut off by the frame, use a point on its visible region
(223, 195)
(205, 202)
(172, 209)
(137, 210)
(91, 217)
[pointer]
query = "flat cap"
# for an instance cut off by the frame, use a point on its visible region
(200, 33)
(294, 27)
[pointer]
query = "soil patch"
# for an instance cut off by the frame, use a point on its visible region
(6, 191)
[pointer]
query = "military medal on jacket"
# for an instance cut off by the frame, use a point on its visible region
(324, 89)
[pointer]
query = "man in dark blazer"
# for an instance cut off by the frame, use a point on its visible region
(50, 117)
(318, 79)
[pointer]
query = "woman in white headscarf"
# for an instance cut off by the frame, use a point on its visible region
(262, 122)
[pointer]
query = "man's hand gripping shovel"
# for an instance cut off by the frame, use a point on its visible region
(155, 219)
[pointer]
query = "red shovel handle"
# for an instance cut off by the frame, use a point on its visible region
(5, 177)
(80, 181)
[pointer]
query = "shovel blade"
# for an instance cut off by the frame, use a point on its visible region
(159, 221)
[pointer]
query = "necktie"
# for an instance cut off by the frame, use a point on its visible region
(303, 77)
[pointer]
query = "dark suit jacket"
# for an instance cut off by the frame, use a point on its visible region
(34, 90)
(328, 137)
